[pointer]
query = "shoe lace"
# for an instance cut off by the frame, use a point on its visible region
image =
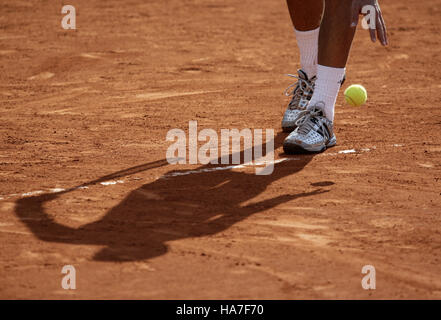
(310, 117)
(297, 90)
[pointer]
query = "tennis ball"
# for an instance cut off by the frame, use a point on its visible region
(355, 95)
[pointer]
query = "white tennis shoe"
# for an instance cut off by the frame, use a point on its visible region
(301, 93)
(314, 132)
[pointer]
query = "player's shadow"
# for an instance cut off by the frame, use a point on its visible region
(172, 208)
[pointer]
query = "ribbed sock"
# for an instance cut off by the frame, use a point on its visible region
(308, 47)
(326, 89)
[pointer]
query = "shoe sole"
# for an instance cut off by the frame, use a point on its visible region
(290, 148)
(296, 149)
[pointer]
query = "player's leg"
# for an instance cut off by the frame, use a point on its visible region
(335, 42)
(315, 125)
(306, 17)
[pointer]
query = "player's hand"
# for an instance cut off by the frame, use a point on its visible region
(380, 27)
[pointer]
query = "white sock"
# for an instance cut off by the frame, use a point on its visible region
(326, 89)
(308, 47)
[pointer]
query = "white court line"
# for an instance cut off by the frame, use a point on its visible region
(348, 151)
(238, 166)
(182, 173)
(53, 190)
(109, 183)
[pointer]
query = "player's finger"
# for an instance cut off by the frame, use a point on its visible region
(373, 35)
(380, 29)
(383, 25)
(355, 12)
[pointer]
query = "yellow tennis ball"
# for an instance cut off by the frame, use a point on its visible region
(355, 95)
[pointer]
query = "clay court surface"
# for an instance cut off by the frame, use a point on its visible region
(92, 107)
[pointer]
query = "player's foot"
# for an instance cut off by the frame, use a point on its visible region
(314, 132)
(301, 93)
